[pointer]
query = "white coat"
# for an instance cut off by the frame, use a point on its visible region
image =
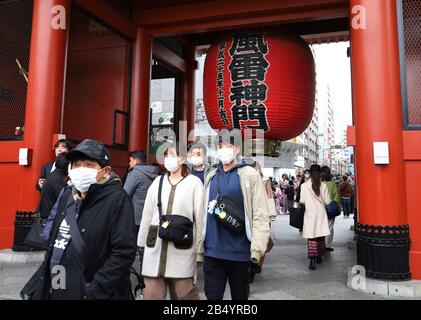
(315, 217)
(188, 201)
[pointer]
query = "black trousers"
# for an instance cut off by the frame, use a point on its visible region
(352, 203)
(142, 280)
(217, 272)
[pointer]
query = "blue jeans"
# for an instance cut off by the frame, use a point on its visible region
(346, 204)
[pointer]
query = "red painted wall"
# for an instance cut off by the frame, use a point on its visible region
(96, 83)
(11, 175)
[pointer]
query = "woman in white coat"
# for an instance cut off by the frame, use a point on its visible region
(315, 196)
(166, 264)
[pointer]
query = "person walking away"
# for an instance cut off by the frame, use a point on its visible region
(304, 178)
(351, 181)
(93, 243)
(60, 146)
(233, 190)
(315, 196)
(139, 178)
(345, 192)
(292, 178)
(334, 196)
(290, 193)
(170, 264)
(197, 161)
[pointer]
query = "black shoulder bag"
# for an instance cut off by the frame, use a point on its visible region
(36, 287)
(34, 239)
(227, 212)
(173, 227)
(77, 240)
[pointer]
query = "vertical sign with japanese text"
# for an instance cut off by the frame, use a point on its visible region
(248, 70)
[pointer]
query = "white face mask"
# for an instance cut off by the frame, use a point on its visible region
(171, 164)
(82, 178)
(226, 155)
(196, 161)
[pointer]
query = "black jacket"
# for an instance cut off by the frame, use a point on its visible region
(107, 228)
(49, 193)
(290, 192)
(45, 172)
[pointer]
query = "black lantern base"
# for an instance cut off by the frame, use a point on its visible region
(383, 251)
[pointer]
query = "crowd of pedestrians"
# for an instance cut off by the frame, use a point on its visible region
(175, 217)
(320, 197)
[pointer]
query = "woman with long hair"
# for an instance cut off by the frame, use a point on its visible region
(315, 196)
(166, 263)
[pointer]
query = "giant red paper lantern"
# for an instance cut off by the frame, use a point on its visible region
(260, 80)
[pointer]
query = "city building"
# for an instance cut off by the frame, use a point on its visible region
(326, 124)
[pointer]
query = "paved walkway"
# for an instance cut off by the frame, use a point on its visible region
(285, 275)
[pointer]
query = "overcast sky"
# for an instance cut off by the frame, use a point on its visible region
(333, 68)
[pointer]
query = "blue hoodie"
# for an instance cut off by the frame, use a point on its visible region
(220, 243)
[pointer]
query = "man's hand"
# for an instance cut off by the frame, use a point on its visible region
(41, 182)
(253, 269)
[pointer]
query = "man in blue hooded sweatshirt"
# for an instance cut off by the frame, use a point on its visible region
(228, 255)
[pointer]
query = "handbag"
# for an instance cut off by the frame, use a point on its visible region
(35, 288)
(271, 242)
(45, 234)
(332, 210)
(296, 216)
(173, 227)
(227, 212)
(34, 239)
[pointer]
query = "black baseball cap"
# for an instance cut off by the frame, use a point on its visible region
(90, 150)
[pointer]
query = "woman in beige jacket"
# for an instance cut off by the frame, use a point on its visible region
(315, 196)
(166, 264)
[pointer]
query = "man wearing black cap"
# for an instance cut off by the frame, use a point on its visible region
(93, 238)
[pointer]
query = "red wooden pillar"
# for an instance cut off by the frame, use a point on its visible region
(378, 118)
(188, 98)
(47, 64)
(139, 112)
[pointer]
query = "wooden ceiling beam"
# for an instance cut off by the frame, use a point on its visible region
(168, 58)
(221, 14)
(109, 17)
